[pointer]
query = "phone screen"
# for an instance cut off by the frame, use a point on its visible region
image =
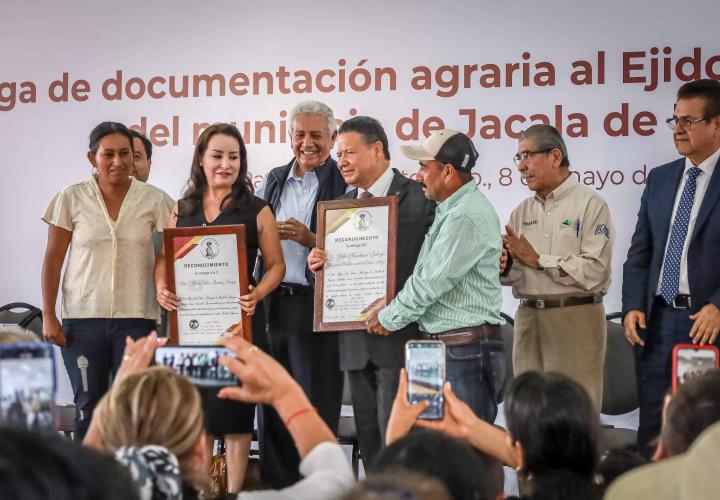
(425, 365)
(27, 386)
(690, 361)
(199, 364)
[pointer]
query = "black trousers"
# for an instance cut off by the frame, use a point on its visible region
(312, 360)
(373, 393)
(93, 354)
(667, 327)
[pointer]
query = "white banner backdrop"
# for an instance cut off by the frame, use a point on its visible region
(605, 73)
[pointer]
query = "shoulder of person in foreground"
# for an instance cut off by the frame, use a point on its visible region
(326, 475)
(35, 466)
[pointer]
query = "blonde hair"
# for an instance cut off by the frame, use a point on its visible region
(10, 334)
(155, 406)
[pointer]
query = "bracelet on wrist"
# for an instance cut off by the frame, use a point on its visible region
(298, 413)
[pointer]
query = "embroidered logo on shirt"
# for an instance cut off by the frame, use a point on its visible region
(530, 223)
(567, 222)
(602, 229)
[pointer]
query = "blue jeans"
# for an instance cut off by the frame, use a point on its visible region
(93, 354)
(477, 374)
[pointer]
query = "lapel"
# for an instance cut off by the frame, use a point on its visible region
(666, 199)
(709, 200)
(397, 186)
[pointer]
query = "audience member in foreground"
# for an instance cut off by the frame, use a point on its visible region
(399, 484)
(38, 467)
(694, 475)
(692, 409)
(152, 419)
(323, 464)
(617, 462)
(11, 334)
(552, 437)
(467, 473)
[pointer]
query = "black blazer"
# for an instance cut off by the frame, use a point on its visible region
(415, 216)
(641, 271)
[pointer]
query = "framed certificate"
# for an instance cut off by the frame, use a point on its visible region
(207, 270)
(359, 238)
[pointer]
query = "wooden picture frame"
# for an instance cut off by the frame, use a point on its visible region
(212, 308)
(352, 223)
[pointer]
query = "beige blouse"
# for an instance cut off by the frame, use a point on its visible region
(109, 270)
(570, 229)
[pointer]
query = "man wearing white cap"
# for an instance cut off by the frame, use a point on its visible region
(560, 245)
(454, 292)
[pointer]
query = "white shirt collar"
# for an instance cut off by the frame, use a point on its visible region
(382, 185)
(707, 166)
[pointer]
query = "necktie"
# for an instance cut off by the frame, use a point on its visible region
(365, 195)
(671, 270)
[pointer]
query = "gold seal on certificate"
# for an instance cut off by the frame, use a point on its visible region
(207, 270)
(359, 239)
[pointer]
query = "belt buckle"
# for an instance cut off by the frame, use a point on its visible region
(287, 290)
(540, 304)
(684, 305)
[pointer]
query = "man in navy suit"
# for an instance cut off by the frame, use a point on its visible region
(671, 278)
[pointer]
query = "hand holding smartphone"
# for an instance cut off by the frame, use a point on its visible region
(425, 365)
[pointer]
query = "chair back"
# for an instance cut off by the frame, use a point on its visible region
(23, 315)
(620, 393)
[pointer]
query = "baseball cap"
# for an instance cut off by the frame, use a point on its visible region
(445, 146)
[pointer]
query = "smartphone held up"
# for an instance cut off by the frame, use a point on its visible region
(200, 364)
(425, 365)
(27, 386)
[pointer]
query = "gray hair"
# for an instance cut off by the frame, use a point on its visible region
(314, 108)
(11, 334)
(546, 137)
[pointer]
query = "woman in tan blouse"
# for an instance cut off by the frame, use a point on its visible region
(104, 225)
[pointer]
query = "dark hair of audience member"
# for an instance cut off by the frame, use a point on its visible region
(107, 128)
(467, 473)
(399, 484)
(12, 334)
(617, 462)
(145, 141)
(38, 467)
(563, 485)
(553, 419)
(694, 407)
(242, 189)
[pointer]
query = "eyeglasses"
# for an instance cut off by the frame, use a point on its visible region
(525, 155)
(685, 122)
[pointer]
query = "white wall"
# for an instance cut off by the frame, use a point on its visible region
(43, 144)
